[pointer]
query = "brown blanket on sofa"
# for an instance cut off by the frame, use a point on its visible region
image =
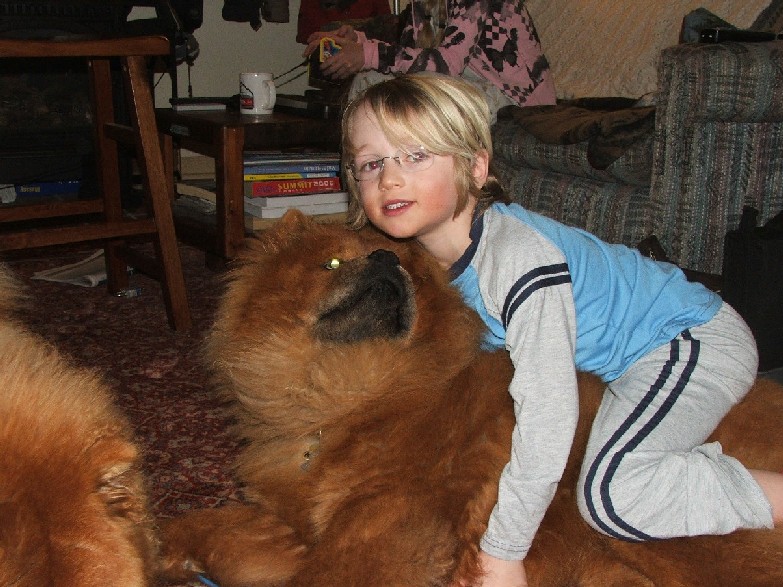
(609, 125)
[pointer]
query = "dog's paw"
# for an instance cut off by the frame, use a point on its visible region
(177, 566)
(176, 562)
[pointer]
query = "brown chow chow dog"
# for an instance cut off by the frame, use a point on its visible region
(73, 510)
(376, 431)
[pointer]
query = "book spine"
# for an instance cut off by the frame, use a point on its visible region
(280, 187)
(293, 167)
(47, 188)
(298, 199)
(254, 157)
(268, 176)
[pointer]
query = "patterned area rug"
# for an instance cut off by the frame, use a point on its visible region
(157, 374)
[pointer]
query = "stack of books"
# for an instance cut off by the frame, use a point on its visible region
(278, 181)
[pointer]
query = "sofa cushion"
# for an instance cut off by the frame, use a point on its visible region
(610, 48)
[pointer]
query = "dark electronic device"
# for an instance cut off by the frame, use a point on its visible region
(313, 104)
(723, 35)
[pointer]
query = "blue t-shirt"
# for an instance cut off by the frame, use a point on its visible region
(626, 304)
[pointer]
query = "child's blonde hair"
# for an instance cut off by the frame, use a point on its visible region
(444, 114)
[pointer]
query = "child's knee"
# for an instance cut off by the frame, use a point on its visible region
(628, 500)
(591, 507)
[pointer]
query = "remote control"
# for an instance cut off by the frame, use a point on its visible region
(721, 35)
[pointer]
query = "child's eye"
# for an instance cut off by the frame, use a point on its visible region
(332, 264)
(419, 155)
(369, 166)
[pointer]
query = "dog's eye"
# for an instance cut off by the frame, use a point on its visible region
(333, 263)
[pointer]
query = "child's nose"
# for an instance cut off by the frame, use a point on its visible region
(391, 174)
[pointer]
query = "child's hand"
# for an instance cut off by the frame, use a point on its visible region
(501, 573)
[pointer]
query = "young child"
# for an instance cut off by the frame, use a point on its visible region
(494, 45)
(674, 358)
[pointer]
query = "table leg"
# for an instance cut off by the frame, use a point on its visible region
(229, 169)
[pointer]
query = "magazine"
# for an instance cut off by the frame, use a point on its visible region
(89, 272)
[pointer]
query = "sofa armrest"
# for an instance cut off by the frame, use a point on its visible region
(718, 144)
(737, 82)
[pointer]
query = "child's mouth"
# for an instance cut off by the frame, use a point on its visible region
(392, 207)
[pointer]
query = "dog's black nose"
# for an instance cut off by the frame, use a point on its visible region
(384, 256)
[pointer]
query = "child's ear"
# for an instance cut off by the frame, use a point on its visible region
(481, 168)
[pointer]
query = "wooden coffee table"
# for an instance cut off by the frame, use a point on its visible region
(224, 136)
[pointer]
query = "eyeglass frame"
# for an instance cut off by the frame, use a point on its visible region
(397, 156)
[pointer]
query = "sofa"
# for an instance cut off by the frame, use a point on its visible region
(675, 138)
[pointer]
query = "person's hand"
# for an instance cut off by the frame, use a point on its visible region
(500, 573)
(345, 31)
(346, 62)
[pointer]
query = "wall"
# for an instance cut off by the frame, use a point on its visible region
(582, 40)
(229, 48)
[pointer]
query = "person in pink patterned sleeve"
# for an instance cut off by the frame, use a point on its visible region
(491, 43)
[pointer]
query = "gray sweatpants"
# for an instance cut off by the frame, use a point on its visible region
(647, 472)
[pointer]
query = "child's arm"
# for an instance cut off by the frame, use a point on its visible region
(534, 291)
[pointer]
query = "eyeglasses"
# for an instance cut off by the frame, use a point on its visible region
(410, 159)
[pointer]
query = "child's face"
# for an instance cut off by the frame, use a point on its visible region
(402, 203)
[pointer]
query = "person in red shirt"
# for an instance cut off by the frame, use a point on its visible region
(314, 14)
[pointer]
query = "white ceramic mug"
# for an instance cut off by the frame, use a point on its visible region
(257, 94)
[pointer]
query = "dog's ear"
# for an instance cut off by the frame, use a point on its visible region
(294, 220)
(290, 227)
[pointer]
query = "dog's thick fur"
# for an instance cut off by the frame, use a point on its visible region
(73, 509)
(376, 431)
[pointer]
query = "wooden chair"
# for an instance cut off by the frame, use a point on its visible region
(102, 219)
